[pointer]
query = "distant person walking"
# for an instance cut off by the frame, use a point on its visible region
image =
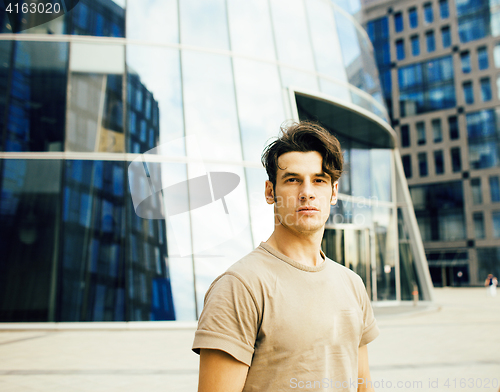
(491, 283)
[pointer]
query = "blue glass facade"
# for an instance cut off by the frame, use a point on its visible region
(483, 134)
(426, 86)
(477, 19)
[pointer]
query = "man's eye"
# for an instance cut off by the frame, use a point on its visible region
(291, 180)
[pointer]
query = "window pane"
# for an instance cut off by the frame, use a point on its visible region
(436, 130)
(495, 217)
(428, 14)
(422, 164)
(465, 61)
(398, 22)
(412, 12)
(415, 45)
(444, 9)
(468, 93)
(494, 189)
(453, 127)
(478, 225)
(407, 165)
(431, 42)
(405, 136)
(456, 160)
(421, 139)
(496, 55)
(400, 49)
(485, 89)
(484, 138)
(446, 37)
(477, 194)
(156, 22)
(439, 162)
(482, 58)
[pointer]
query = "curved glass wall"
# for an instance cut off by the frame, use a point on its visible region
(172, 111)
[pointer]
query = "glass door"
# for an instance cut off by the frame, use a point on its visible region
(349, 245)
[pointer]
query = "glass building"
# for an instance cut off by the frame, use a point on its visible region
(444, 105)
(130, 144)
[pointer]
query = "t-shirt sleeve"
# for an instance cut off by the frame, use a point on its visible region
(370, 328)
(229, 320)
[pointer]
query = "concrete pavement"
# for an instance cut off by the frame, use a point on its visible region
(453, 345)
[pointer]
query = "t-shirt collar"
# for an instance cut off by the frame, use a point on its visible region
(292, 262)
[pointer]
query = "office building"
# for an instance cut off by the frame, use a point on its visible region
(438, 63)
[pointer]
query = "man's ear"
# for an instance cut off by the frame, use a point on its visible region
(335, 188)
(269, 192)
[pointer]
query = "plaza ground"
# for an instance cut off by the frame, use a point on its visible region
(451, 345)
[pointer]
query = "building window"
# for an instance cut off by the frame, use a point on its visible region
(422, 164)
(482, 58)
(465, 61)
(428, 14)
(496, 55)
(426, 86)
(431, 42)
(468, 92)
(494, 189)
(477, 195)
(412, 13)
(453, 127)
(415, 45)
(400, 49)
(405, 136)
(495, 217)
(407, 165)
(439, 162)
(483, 138)
(437, 131)
(485, 89)
(478, 225)
(421, 139)
(446, 36)
(398, 22)
(456, 160)
(444, 9)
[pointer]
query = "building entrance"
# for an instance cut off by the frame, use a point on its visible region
(350, 246)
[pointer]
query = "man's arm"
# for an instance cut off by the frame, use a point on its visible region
(364, 370)
(220, 372)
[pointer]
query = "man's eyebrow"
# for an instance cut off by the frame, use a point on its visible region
(290, 174)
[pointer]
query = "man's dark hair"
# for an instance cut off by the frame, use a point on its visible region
(304, 136)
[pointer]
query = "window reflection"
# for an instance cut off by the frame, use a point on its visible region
(260, 106)
(243, 17)
(34, 69)
(153, 20)
(204, 24)
(325, 40)
(210, 107)
(291, 33)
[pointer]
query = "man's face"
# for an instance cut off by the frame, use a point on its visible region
(303, 192)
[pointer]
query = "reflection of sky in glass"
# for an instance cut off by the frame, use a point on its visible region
(348, 39)
(381, 170)
(244, 16)
(335, 90)
(159, 71)
(291, 77)
(204, 23)
(290, 30)
(261, 212)
(260, 105)
(360, 172)
(325, 41)
(210, 108)
(153, 20)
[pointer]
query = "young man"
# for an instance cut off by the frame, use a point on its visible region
(286, 317)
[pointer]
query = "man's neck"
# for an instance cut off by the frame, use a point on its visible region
(304, 249)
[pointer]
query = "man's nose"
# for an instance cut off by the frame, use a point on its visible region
(306, 191)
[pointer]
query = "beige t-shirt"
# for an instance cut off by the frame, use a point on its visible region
(291, 323)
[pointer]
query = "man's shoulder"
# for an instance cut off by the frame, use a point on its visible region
(351, 277)
(256, 265)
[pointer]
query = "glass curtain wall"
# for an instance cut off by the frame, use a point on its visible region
(177, 94)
